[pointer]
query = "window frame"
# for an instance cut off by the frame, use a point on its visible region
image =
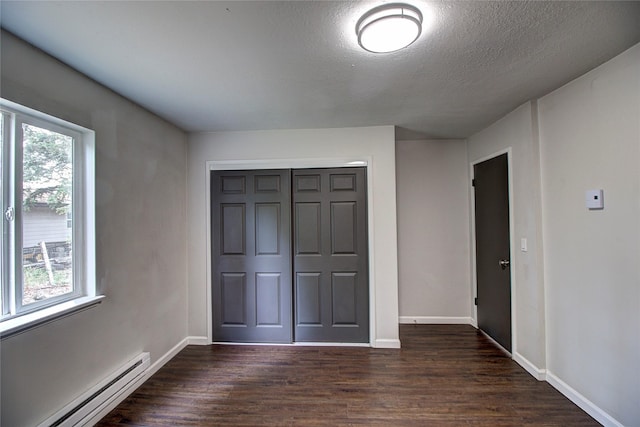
(5, 191)
(14, 314)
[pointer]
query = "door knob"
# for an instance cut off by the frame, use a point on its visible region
(504, 263)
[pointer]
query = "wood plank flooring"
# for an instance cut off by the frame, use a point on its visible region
(444, 375)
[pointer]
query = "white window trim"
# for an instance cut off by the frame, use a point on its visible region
(83, 236)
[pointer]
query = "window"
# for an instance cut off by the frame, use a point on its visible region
(47, 191)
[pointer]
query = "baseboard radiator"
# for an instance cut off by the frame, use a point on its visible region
(90, 403)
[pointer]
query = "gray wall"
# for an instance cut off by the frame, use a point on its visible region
(434, 282)
(590, 139)
(518, 132)
(141, 242)
(577, 300)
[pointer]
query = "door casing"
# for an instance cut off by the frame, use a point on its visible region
(365, 161)
(512, 246)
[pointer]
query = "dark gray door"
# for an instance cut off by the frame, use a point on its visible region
(491, 185)
(251, 256)
(331, 291)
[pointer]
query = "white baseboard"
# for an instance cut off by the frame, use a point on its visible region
(194, 340)
(537, 373)
(386, 343)
(331, 344)
(435, 320)
(165, 358)
(133, 386)
(585, 404)
(294, 344)
(100, 395)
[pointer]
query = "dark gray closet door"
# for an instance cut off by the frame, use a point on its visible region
(251, 256)
(331, 286)
(491, 185)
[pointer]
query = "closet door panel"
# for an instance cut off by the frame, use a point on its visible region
(330, 246)
(251, 256)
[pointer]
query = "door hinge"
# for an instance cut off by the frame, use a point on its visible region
(473, 182)
(475, 301)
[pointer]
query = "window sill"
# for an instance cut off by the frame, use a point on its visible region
(18, 325)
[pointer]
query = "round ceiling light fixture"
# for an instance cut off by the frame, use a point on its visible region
(389, 27)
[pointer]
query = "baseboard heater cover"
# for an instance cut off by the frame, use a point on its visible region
(89, 403)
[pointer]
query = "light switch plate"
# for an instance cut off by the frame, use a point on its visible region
(594, 199)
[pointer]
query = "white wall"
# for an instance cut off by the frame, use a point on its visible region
(518, 131)
(141, 242)
(590, 139)
(433, 231)
(300, 148)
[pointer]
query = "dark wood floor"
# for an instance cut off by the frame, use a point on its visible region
(444, 375)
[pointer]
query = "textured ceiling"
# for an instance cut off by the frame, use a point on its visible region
(240, 65)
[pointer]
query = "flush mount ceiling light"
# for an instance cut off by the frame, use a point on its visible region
(389, 27)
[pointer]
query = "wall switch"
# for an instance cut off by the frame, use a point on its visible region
(523, 244)
(594, 199)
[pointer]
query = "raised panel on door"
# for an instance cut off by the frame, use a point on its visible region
(308, 299)
(232, 228)
(233, 291)
(343, 228)
(268, 227)
(330, 255)
(268, 299)
(308, 236)
(251, 256)
(344, 299)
